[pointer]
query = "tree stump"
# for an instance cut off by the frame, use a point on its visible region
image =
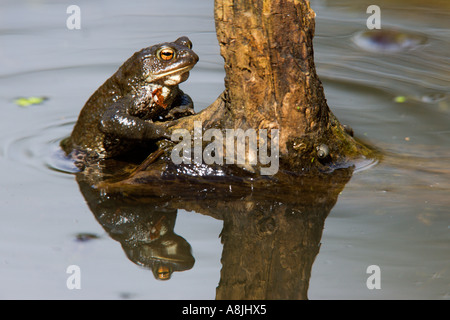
(271, 83)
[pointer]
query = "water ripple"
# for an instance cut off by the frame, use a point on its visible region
(388, 41)
(40, 149)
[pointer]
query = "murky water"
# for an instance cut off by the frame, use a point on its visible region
(394, 215)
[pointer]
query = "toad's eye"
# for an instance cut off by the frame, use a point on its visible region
(166, 54)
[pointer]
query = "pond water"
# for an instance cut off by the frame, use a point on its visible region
(392, 88)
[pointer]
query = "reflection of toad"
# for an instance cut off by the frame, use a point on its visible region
(121, 114)
(161, 250)
(145, 231)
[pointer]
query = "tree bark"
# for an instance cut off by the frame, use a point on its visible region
(271, 80)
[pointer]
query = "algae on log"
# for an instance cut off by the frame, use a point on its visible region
(270, 83)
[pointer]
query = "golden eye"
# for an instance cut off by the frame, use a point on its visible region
(166, 54)
(163, 273)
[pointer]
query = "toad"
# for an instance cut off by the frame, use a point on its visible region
(136, 105)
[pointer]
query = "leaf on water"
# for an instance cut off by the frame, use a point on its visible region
(400, 99)
(84, 236)
(25, 102)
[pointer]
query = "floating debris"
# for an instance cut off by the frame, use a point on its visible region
(388, 41)
(83, 237)
(25, 102)
(400, 99)
(433, 97)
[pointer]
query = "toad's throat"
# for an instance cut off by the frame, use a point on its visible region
(153, 77)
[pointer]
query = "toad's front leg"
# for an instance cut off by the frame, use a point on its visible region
(118, 122)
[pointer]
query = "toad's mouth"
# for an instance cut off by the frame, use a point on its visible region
(154, 77)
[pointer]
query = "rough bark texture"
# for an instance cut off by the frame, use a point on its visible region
(271, 80)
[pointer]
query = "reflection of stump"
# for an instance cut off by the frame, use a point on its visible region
(271, 233)
(269, 254)
(270, 245)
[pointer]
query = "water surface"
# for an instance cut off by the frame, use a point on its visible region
(394, 215)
